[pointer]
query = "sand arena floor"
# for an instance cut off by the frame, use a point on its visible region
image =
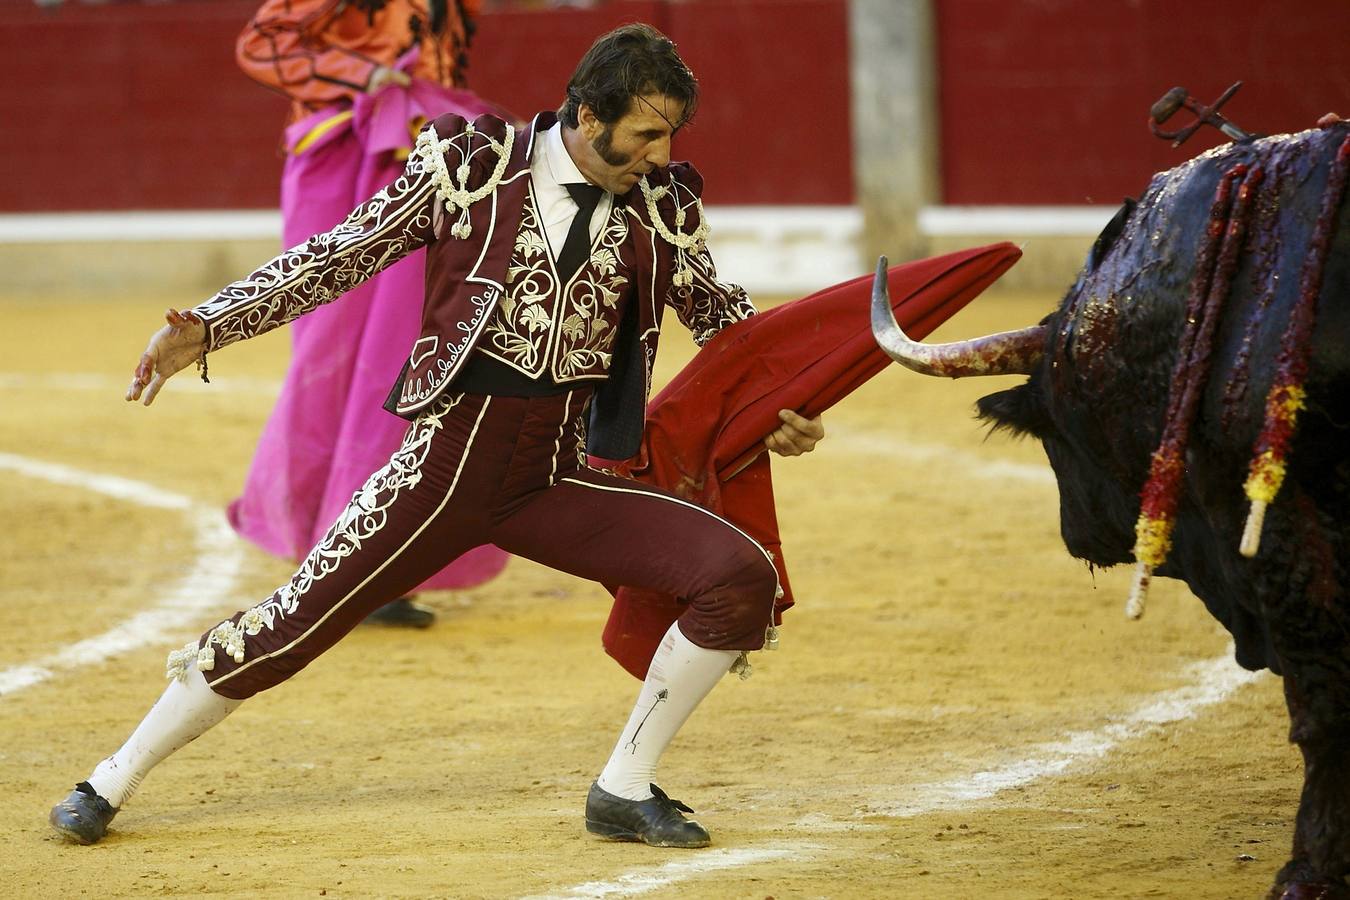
(958, 709)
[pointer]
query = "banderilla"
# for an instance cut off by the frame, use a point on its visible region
(1178, 97)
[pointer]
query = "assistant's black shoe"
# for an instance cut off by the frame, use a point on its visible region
(656, 821)
(402, 613)
(82, 817)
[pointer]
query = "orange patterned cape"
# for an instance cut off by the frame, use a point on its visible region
(321, 53)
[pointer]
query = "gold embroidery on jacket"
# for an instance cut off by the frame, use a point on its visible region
(568, 333)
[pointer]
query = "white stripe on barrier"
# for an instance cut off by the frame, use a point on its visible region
(762, 223)
(138, 226)
(1014, 221)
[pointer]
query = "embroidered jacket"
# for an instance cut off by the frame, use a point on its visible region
(545, 328)
(464, 195)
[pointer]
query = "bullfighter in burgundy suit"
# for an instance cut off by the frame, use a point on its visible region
(529, 357)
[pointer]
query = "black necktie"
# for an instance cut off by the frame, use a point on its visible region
(577, 246)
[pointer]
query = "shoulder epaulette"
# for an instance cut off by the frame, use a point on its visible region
(682, 241)
(432, 150)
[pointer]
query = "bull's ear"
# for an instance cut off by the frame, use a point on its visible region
(1107, 238)
(1019, 410)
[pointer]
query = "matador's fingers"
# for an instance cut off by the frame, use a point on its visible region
(812, 428)
(152, 390)
(140, 378)
(177, 319)
(785, 445)
(797, 434)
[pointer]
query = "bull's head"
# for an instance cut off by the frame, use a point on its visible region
(1096, 514)
(1169, 359)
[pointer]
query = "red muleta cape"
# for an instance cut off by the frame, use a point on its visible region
(705, 430)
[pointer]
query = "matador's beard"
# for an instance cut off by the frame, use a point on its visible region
(604, 145)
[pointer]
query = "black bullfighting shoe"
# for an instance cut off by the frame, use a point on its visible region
(402, 613)
(656, 821)
(82, 817)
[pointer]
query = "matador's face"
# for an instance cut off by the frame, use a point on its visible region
(615, 155)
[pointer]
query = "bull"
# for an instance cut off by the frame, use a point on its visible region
(1193, 384)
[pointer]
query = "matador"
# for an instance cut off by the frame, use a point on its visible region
(529, 357)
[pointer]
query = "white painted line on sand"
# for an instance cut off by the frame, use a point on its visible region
(218, 556)
(1211, 681)
(700, 863)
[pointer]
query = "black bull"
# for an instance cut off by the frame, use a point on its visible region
(1101, 367)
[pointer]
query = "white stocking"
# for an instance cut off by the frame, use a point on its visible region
(185, 710)
(681, 675)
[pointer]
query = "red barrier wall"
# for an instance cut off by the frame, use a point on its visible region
(132, 106)
(1047, 101)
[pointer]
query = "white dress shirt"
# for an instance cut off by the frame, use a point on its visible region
(550, 169)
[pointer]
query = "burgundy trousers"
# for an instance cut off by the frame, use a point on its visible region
(508, 471)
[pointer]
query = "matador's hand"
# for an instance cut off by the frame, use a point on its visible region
(174, 347)
(797, 434)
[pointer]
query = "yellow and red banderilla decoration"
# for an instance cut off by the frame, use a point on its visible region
(1287, 394)
(1215, 264)
(1213, 277)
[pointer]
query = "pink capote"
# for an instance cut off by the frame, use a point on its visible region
(705, 430)
(328, 431)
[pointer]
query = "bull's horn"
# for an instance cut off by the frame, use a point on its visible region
(1007, 353)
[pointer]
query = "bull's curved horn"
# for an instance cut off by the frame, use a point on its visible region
(1006, 353)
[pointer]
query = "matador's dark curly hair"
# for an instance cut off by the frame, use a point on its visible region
(629, 61)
